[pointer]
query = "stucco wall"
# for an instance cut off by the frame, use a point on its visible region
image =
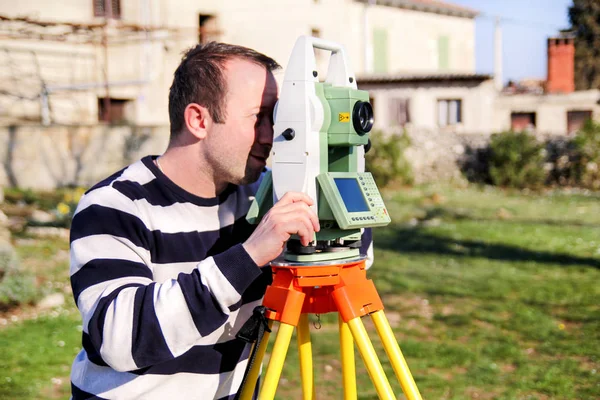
(413, 40)
(551, 109)
(142, 70)
(40, 157)
(477, 105)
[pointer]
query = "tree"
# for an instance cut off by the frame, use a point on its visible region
(585, 22)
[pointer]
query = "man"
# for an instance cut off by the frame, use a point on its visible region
(164, 267)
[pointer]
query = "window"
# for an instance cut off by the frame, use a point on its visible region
(522, 121)
(100, 8)
(443, 52)
(116, 112)
(576, 120)
(399, 111)
(449, 112)
(207, 29)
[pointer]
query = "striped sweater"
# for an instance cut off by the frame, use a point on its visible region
(163, 284)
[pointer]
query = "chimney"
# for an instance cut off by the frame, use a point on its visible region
(561, 64)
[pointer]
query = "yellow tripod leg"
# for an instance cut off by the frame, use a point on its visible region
(393, 352)
(348, 364)
(365, 347)
(248, 389)
(305, 356)
(280, 348)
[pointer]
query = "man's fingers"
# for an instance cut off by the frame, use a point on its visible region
(294, 223)
(297, 210)
(305, 232)
(293, 197)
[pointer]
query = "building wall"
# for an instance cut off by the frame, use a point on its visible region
(414, 40)
(477, 105)
(142, 70)
(551, 109)
(43, 158)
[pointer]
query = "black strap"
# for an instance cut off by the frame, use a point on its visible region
(252, 331)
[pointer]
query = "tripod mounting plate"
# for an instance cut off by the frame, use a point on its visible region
(282, 262)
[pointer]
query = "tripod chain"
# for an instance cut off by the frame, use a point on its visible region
(317, 323)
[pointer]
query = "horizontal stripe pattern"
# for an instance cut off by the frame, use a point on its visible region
(105, 383)
(163, 285)
(162, 247)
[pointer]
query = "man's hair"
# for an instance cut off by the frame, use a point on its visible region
(200, 79)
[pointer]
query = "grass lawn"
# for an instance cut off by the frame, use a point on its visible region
(491, 294)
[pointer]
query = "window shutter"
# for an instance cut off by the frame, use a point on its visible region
(380, 50)
(98, 8)
(453, 117)
(443, 52)
(116, 8)
(442, 112)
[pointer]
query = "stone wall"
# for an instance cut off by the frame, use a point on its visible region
(450, 157)
(44, 158)
(441, 156)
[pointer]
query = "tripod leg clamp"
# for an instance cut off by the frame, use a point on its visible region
(250, 331)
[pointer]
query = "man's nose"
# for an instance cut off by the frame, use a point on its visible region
(264, 133)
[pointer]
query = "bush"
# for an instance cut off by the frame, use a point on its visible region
(386, 160)
(516, 160)
(15, 286)
(586, 164)
(561, 154)
(474, 164)
(44, 200)
(61, 203)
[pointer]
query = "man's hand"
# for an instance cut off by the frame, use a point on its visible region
(291, 215)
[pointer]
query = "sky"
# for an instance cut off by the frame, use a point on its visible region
(526, 24)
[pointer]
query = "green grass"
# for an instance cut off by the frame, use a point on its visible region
(38, 349)
(491, 294)
(37, 356)
(495, 295)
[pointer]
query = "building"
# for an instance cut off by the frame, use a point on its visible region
(442, 93)
(457, 103)
(112, 60)
(554, 109)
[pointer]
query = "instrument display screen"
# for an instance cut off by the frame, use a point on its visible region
(351, 194)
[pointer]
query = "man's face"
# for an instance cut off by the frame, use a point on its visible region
(238, 148)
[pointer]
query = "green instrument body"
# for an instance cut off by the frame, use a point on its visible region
(348, 199)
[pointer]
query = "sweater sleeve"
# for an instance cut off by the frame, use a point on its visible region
(366, 246)
(130, 321)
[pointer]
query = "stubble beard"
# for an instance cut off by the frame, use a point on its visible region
(228, 172)
(226, 168)
(251, 175)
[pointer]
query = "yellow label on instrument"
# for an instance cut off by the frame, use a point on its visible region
(344, 117)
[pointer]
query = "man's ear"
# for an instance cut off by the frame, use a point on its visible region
(197, 120)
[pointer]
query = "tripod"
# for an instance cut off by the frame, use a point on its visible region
(341, 286)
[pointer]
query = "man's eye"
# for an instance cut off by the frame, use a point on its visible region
(262, 116)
